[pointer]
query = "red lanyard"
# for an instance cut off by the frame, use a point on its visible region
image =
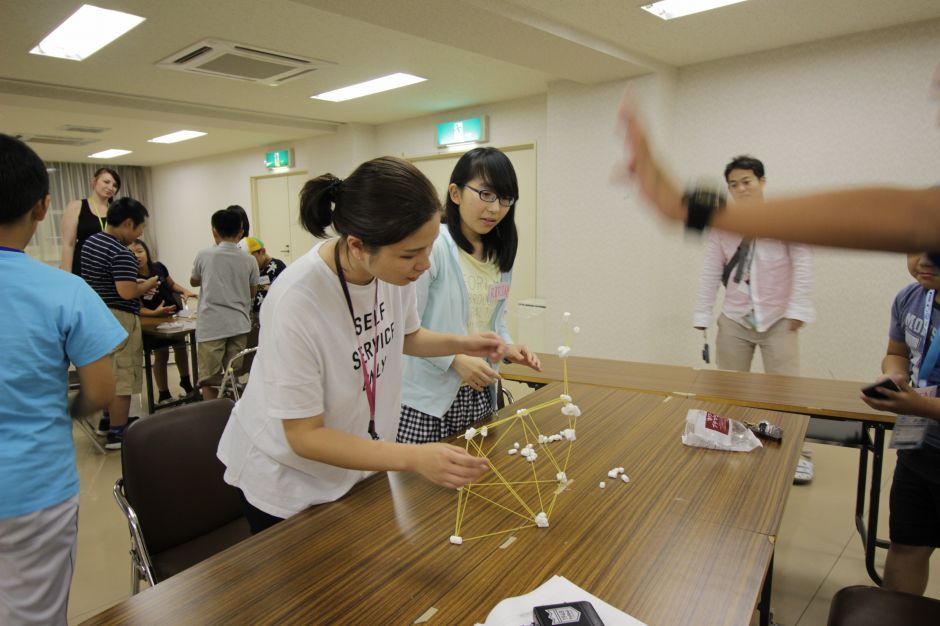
(370, 385)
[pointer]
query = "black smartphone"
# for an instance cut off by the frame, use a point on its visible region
(872, 391)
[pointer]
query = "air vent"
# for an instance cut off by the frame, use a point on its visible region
(73, 128)
(214, 57)
(54, 140)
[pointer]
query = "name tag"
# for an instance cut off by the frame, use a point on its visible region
(909, 430)
(264, 280)
(499, 291)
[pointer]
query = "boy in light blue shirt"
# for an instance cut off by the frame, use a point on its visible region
(51, 318)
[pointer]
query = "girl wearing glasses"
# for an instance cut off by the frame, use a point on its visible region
(322, 403)
(465, 291)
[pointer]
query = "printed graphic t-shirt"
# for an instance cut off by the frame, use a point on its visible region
(308, 364)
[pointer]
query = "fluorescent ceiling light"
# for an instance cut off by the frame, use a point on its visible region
(88, 30)
(385, 83)
(109, 154)
(180, 135)
(671, 9)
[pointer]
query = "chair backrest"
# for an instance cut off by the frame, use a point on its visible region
(873, 606)
(172, 477)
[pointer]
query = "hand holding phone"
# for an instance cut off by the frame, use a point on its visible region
(873, 390)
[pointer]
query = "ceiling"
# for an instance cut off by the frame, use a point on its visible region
(471, 51)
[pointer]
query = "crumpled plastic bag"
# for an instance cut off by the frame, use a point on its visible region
(704, 429)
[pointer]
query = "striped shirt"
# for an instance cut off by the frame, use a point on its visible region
(105, 260)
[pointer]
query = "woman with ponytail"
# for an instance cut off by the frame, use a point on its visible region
(320, 412)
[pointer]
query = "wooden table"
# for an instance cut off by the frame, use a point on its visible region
(148, 327)
(688, 540)
(821, 399)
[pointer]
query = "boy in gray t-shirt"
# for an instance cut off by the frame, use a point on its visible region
(229, 280)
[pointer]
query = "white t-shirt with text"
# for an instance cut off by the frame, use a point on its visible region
(308, 364)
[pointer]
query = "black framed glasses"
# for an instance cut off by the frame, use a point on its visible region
(488, 196)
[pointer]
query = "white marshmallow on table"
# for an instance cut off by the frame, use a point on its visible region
(625, 478)
(471, 433)
(555, 438)
(456, 540)
(543, 439)
(565, 398)
(566, 315)
(571, 410)
(521, 412)
(602, 484)
(484, 431)
(564, 351)
(516, 445)
(576, 329)
(620, 469)
(569, 434)
(532, 456)
(612, 473)
(541, 520)
(512, 451)
(561, 477)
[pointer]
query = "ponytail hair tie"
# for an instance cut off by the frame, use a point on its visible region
(335, 188)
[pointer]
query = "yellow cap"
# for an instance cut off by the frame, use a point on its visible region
(252, 244)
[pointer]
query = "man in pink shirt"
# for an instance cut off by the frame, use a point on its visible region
(767, 290)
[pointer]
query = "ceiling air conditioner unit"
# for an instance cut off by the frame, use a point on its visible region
(225, 59)
(54, 140)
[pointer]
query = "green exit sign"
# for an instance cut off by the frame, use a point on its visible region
(461, 131)
(279, 158)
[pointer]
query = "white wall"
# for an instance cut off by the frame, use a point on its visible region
(186, 194)
(844, 112)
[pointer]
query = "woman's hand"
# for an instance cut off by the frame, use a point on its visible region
(474, 371)
(521, 355)
(447, 465)
(903, 402)
(486, 345)
(162, 311)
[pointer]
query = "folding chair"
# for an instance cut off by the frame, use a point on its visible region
(179, 509)
(873, 606)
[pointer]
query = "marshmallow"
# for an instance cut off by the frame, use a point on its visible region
(541, 520)
(531, 457)
(569, 434)
(484, 431)
(512, 451)
(625, 478)
(516, 445)
(521, 412)
(571, 410)
(602, 484)
(471, 433)
(456, 540)
(565, 398)
(561, 477)
(567, 316)
(576, 329)
(620, 469)
(612, 473)
(543, 439)
(563, 351)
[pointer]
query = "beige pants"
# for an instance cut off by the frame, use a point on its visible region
(127, 360)
(779, 347)
(214, 355)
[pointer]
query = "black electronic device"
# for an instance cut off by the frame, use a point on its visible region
(872, 391)
(573, 613)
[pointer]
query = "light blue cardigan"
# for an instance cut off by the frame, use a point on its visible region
(429, 385)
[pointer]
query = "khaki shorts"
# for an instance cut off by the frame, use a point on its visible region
(128, 358)
(214, 355)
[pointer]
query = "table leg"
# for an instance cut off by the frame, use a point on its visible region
(874, 501)
(194, 374)
(763, 605)
(148, 375)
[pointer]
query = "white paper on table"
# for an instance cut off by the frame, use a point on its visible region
(517, 611)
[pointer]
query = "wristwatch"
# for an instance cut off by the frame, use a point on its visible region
(701, 204)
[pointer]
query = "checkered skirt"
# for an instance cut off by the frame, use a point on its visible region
(469, 407)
